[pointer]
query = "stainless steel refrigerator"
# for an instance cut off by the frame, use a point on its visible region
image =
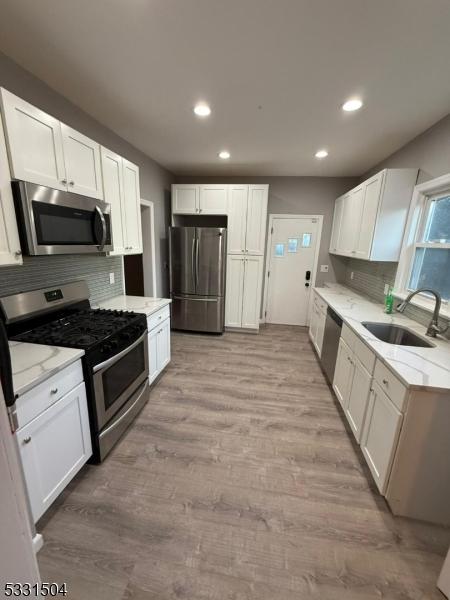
(197, 278)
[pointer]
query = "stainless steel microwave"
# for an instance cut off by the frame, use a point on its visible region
(57, 222)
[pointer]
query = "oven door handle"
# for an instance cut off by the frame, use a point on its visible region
(99, 214)
(116, 357)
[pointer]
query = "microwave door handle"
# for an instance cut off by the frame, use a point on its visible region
(99, 214)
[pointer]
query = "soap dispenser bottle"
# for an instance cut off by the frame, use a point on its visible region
(389, 302)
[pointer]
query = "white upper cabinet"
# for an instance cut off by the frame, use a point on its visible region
(10, 252)
(113, 194)
(237, 219)
(82, 160)
(370, 219)
(213, 199)
(44, 151)
(132, 208)
(185, 199)
(255, 238)
(34, 142)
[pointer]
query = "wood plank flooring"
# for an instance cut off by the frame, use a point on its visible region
(238, 481)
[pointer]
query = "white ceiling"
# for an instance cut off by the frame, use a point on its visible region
(275, 73)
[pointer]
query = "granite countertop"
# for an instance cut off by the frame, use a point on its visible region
(417, 368)
(34, 363)
(140, 304)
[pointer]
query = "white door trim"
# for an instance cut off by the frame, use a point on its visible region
(150, 204)
(267, 256)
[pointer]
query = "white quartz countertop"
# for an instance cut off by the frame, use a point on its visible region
(418, 368)
(34, 363)
(140, 304)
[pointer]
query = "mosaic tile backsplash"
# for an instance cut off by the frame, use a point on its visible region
(46, 271)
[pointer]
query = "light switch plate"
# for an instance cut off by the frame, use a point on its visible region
(111, 278)
(324, 268)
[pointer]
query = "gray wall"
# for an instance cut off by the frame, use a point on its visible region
(155, 180)
(302, 196)
(47, 271)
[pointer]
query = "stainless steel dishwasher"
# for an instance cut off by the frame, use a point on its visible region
(333, 326)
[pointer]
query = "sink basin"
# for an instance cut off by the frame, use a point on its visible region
(395, 334)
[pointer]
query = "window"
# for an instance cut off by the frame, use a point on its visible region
(425, 258)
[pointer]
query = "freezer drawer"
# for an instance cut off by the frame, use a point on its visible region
(194, 313)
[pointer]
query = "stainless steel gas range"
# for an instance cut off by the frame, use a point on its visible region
(116, 352)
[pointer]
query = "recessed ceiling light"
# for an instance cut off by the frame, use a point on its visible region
(352, 104)
(202, 110)
(224, 155)
(321, 154)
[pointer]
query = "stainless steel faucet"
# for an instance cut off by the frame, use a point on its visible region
(433, 327)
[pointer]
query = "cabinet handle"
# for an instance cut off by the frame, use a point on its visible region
(72, 182)
(199, 210)
(27, 440)
(18, 253)
(64, 181)
(386, 382)
(54, 391)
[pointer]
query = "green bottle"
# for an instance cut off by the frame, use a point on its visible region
(389, 302)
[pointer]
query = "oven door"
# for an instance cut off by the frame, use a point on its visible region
(116, 379)
(58, 222)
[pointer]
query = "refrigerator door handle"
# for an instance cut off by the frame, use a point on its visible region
(193, 262)
(195, 299)
(197, 266)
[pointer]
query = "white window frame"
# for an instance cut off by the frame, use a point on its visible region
(422, 197)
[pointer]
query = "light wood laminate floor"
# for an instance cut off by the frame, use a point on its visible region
(238, 481)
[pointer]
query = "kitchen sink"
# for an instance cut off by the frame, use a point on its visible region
(395, 334)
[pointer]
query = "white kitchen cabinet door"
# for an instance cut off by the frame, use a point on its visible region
(153, 354)
(371, 200)
(237, 219)
(351, 221)
(251, 299)
(344, 233)
(113, 194)
(132, 208)
(337, 220)
(163, 345)
(321, 318)
(358, 398)
(54, 447)
(213, 199)
(83, 163)
(255, 238)
(185, 199)
(313, 323)
(234, 290)
(380, 435)
(10, 252)
(34, 142)
(343, 374)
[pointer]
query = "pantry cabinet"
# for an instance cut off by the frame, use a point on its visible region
(44, 151)
(243, 296)
(380, 435)
(10, 251)
(121, 190)
(53, 448)
(370, 219)
(237, 219)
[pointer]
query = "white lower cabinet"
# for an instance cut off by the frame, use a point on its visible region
(317, 321)
(53, 447)
(343, 374)
(243, 292)
(380, 435)
(158, 348)
(358, 396)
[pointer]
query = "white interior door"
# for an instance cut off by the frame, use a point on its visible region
(293, 248)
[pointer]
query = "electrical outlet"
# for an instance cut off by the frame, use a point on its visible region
(352, 275)
(386, 289)
(324, 268)
(111, 278)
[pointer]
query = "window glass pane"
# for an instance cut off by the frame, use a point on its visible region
(438, 223)
(306, 240)
(431, 269)
(279, 249)
(292, 244)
